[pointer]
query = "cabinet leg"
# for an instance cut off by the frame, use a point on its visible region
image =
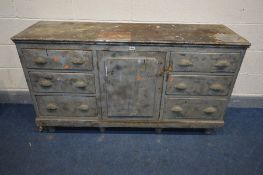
(158, 130)
(209, 131)
(51, 129)
(102, 129)
(40, 128)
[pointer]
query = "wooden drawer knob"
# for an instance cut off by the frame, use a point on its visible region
(52, 107)
(185, 63)
(177, 109)
(83, 107)
(210, 110)
(77, 61)
(222, 64)
(45, 83)
(40, 60)
(216, 87)
(80, 84)
(180, 86)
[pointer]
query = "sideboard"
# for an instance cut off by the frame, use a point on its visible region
(83, 74)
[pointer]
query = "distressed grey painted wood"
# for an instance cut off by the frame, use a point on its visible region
(198, 85)
(85, 122)
(194, 108)
(105, 33)
(23, 97)
(119, 48)
(132, 83)
(148, 56)
(201, 61)
(58, 59)
(67, 106)
(62, 82)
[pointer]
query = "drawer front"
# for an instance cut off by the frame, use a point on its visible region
(194, 108)
(204, 62)
(58, 59)
(62, 82)
(198, 85)
(67, 106)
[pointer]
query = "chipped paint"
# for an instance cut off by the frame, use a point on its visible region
(132, 32)
(66, 66)
(113, 36)
(55, 59)
(227, 37)
(138, 77)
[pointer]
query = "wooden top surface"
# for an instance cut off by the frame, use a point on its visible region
(196, 34)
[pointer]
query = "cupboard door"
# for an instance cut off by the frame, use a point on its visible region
(131, 84)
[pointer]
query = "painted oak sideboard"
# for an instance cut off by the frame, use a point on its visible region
(83, 74)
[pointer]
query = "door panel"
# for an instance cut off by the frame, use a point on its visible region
(132, 83)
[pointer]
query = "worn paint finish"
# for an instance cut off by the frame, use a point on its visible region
(198, 85)
(120, 52)
(135, 68)
(62, 82)
(131, 33)
(86, 122)
(203, 61)
(132, 83)
(58, 59)
(131, 86)
(67, 106)
(194, 108)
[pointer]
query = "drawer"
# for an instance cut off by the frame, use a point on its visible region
(67, 106)
(195, 108)
(204, 62)
(198, 85)
(62, 82)
(58, 59)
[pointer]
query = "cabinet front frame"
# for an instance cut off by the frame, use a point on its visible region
(122, 47)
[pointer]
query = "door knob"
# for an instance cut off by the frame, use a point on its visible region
(52, 107)
(77, 61)
(40, 60)
(80, 84)
(45, 83)
(222, 64)
(216, 87)
(177, 109)
(210, 110)
(185, 63)
(180, 86)
(83, 107)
